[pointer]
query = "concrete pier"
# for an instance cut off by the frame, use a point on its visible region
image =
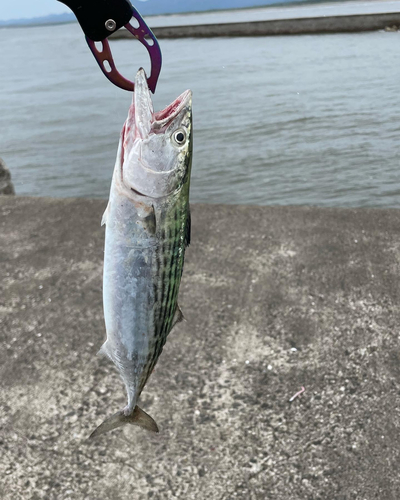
(300, 26)
(275, 299)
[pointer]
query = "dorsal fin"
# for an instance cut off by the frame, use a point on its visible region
(188, 228)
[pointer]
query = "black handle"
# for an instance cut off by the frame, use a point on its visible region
(100, 18)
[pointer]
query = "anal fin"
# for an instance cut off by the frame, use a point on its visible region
(178, 316)
(104, 350)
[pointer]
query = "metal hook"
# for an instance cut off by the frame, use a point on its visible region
(99, 19)
(146, 37)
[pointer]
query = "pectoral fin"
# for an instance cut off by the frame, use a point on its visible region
(105, 215)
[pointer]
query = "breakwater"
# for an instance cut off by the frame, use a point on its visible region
(299, 26)
(6, 185)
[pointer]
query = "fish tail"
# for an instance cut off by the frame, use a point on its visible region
(138, 417)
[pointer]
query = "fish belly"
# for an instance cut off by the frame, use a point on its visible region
(129, 294)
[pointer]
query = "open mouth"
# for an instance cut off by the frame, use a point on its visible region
(145, 119)
(142, 120)
(164, 117)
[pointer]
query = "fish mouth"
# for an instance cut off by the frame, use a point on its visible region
(164, 117)
(146, 120)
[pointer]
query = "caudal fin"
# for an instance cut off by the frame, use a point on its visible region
(138, 417)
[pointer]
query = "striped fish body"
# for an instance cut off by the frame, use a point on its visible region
(147, 230)
(144, 255)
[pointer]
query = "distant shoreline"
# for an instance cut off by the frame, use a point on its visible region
(294, 26)
(293, 10)
(36, 25)
(298, 26)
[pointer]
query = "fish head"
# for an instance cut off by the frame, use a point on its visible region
(156, 147)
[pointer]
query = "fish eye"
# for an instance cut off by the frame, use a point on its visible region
(179, 137)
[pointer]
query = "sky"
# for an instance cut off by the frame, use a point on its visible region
(29, 8)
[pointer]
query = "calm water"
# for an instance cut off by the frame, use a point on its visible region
(283, 120)
(287, 11)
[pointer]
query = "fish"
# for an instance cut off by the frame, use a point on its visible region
(148, 228)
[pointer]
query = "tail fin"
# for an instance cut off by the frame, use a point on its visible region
(138, 417)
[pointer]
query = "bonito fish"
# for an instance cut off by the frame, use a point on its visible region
(147, 230)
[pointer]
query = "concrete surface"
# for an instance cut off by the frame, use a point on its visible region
(299, 26)
(6, 185)
(275, 298)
